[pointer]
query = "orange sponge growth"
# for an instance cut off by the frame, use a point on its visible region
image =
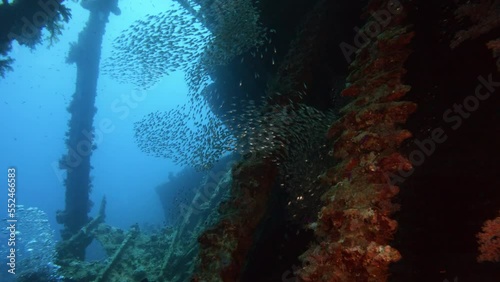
(354, 227)
(489, 241)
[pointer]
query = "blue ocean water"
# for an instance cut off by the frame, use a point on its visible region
(34, 120)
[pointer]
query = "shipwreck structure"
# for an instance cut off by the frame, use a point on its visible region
(381, 120)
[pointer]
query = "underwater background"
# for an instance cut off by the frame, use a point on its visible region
(34, 100)
(243, 140)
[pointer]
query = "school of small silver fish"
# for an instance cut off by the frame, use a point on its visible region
(196, 40)
(210, 33)
(152, 48)
(269, 130)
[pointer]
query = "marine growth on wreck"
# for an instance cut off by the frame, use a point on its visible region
(250, 140)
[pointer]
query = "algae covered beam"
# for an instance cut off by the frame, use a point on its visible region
(86, 54)
(134, 231)
(65, 249)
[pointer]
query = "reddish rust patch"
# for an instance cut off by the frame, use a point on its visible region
(224, 247)
(354, 228)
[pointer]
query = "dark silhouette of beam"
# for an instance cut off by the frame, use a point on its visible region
(86, 54)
